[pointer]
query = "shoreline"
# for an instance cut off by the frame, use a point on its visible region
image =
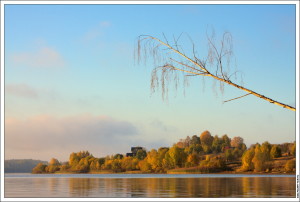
(172, 173)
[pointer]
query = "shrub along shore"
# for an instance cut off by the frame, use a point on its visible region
(196, 154)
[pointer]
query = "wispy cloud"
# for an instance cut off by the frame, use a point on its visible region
(44, 57)
(105, 24)
(22, 90)
(44, 136)
(96, 31)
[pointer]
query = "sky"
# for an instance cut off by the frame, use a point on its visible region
(72, 82)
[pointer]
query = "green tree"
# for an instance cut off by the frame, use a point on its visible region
(177, 156)
(206, 149)
(262, 155)
(229, 155)
(141, 154)
(193, 148)
(214, 164)
(243, 147)
(116, 165)
(161, 155)
(167, 162)
(266, 149)
(118, 156)
(216, 144)
(237, 153)
(195, 140)
(275, 152)
(225, 141)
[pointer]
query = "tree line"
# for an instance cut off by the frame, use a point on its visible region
(204, 153)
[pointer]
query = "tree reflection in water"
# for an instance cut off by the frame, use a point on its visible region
(182, 187)
(151, 187)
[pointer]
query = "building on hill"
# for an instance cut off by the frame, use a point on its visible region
(227, 147)
(134, 151)
(129, 154)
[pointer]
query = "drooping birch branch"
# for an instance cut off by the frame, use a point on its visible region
(193, 66)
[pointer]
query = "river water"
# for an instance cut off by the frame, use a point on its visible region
(149, 186)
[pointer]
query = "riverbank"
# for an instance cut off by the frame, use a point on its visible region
(177, 171)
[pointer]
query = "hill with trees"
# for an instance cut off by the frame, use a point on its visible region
(20, 165)
(197, 154)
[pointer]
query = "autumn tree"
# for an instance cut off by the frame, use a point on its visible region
(129, 163)
(53, 166)
(39, 168)
(290, 165)
(206, 138)
(236, 141)
(93, 165)
(206, 141)
(168, 162)
(83, 166)
(214, 164)
(74, 159)
(152, 159)
(54, 162)
(180, 143)
(192, 160)
(215, 65)
(144, 166)
(293, 149)
(247, 158)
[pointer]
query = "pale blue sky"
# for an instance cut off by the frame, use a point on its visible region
(69, 65)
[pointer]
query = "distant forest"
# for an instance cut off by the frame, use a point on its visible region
(196, 154)
(20, 165)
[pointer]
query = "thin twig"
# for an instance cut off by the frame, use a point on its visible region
(236, 98)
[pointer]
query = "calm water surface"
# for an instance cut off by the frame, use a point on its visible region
(149, 185)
